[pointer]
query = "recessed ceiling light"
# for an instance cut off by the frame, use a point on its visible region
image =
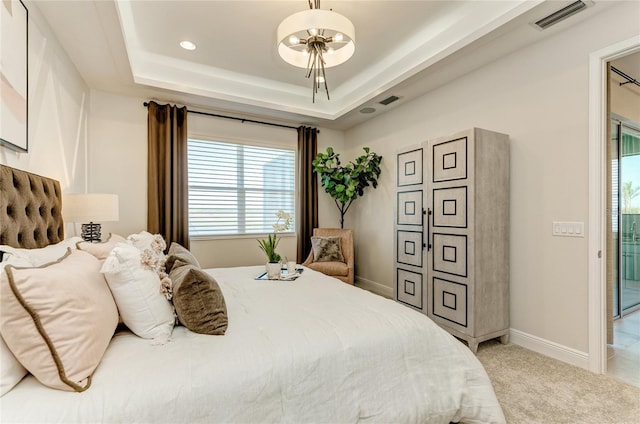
(367, 110)
(187, 45)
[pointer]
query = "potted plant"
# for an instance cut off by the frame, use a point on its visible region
(346, 183)
(269, 245)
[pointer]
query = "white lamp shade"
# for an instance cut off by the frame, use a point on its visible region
(332, 22)
(90, 207)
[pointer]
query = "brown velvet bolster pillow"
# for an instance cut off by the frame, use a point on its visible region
(178, 253)
(198, 301)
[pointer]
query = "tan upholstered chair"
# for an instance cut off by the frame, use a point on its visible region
(341, 270)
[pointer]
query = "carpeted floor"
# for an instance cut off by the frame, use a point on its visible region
(534, 388)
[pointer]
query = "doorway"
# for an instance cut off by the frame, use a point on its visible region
(599, 208)
(623, 253)
(625, 179)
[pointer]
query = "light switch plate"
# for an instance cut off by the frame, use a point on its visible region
(567, 229)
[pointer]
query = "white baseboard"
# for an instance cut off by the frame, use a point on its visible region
(528, 341)
(549, 348)
(372, 286)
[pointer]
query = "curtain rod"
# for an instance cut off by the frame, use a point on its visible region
(146, 104)
(625, 76)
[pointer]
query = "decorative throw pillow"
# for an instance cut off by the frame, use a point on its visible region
(58, 319)
(136, 288)
(147, 241)
(198, 300)
(142, 240)
(43, 255)
(178, 254)
(101, 250)
(327, 249)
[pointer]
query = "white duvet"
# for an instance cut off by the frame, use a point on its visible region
(313, 350)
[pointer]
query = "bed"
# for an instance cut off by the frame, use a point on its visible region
(310, 350)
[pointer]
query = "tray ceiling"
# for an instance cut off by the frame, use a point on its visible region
(133, 47)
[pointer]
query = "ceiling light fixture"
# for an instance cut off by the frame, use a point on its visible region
(315, 40)
(187, 45)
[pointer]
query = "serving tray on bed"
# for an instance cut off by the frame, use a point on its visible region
(284, 275)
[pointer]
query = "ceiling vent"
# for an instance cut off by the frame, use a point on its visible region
(389, 100)
(562, 14)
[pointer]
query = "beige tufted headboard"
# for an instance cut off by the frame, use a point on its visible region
(30, 209)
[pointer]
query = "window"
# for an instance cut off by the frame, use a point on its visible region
(237, 188)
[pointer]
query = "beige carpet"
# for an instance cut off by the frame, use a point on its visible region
(533, 388)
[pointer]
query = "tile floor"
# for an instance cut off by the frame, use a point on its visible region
(624, 355)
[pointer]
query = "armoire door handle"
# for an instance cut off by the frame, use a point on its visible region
(428, 229)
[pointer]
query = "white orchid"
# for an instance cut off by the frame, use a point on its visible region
(277, 227)
(269, 245)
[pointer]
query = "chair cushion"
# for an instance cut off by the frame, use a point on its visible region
(326, 249)
(330, 268)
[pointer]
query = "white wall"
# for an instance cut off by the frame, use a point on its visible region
(118, 157)
(118, 164)
(58, 112)
(539, 96)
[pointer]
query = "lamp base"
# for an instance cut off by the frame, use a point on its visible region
(91, 232)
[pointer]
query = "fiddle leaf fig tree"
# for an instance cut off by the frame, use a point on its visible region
(346, 183)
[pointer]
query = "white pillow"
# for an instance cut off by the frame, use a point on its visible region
(136, 289)
(101, 250)
(9, 259)
(152, 247)
(141, 240)
(11, 370)
(43, 255)
(58, 319)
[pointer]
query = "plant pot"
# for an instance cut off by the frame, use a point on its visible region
(273, 270)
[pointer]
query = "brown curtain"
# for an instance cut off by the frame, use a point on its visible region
(167, 191)
(308, 217)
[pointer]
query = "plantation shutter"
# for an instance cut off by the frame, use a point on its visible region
(238, 188)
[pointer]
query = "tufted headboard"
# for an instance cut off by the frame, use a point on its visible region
(30, 209)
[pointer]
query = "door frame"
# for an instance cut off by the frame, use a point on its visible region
(598, 118)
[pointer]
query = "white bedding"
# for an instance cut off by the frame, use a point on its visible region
(311, 350)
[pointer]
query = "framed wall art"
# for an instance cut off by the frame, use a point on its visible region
(14, 87)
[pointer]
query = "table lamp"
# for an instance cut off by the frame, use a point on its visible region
(90, 207)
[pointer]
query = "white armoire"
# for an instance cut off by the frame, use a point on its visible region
(452, 233)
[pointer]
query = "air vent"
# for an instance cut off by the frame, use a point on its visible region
(389, 100)
(562, 14)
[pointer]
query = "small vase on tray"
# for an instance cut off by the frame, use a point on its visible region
(273, 270)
